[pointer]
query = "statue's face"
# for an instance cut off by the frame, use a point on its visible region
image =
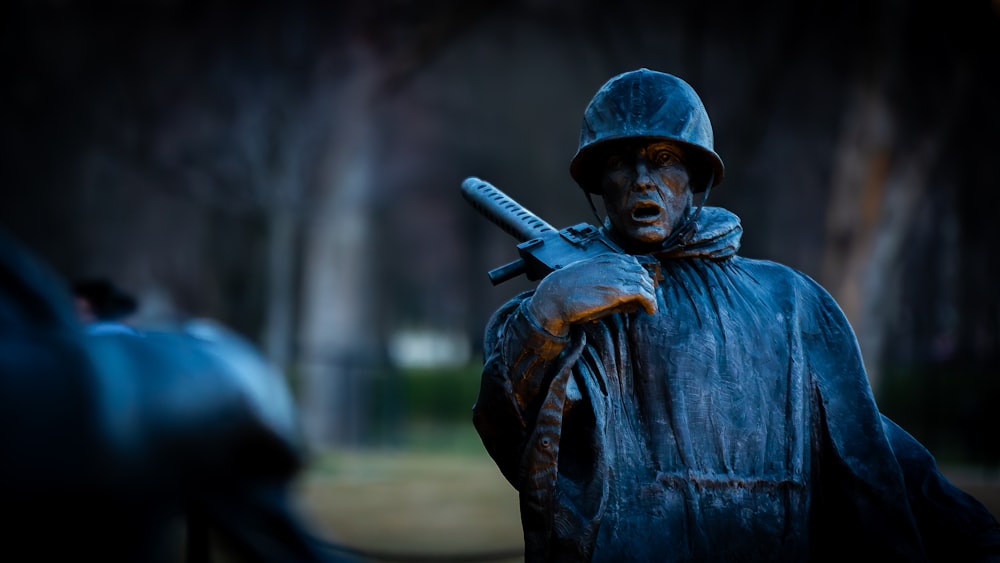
(646, 191)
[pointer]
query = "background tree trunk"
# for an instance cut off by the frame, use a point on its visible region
(336, 333)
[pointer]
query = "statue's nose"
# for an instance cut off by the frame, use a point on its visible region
(643, 179)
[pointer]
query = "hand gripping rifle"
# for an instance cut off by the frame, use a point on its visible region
(542, 248)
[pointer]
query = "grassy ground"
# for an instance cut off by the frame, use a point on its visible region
(449, 500)
(980, 483)
(442, 495)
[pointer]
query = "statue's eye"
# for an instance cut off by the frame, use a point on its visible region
(664, 157)
(615, 162)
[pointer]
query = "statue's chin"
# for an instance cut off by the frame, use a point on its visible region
(641, 240)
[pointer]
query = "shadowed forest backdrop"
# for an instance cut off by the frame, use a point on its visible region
(293, 171)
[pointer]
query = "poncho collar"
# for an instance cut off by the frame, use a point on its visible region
(716, 236)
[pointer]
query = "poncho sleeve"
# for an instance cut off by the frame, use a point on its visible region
(878, 486)
(954, 525)
(519, 359)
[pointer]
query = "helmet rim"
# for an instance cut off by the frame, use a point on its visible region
(583, 163)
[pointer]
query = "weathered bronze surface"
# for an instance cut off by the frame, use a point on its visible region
(716, 411)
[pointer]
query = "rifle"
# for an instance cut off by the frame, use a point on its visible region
(542, 248)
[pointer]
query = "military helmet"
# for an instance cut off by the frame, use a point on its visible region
(646, 104)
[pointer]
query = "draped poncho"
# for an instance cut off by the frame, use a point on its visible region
(735, 424)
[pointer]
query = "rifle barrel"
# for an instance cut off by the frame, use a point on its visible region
(503, 211)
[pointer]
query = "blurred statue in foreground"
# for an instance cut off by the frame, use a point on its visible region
(112, 441)
(102, 306)
(668, 400)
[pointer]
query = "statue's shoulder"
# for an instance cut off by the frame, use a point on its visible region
(770, 272)
(499, 317)
(780, 279)
(508, 308)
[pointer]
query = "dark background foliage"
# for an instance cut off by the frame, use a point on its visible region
(292, 169)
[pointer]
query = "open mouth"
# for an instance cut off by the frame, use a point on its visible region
(645, 211)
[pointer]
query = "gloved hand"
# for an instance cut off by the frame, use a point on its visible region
(590, 289)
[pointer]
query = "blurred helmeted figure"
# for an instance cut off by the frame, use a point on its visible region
(101, 305)
(109, 440)
(678, 402)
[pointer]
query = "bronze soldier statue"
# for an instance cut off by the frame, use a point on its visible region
(679, 402)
